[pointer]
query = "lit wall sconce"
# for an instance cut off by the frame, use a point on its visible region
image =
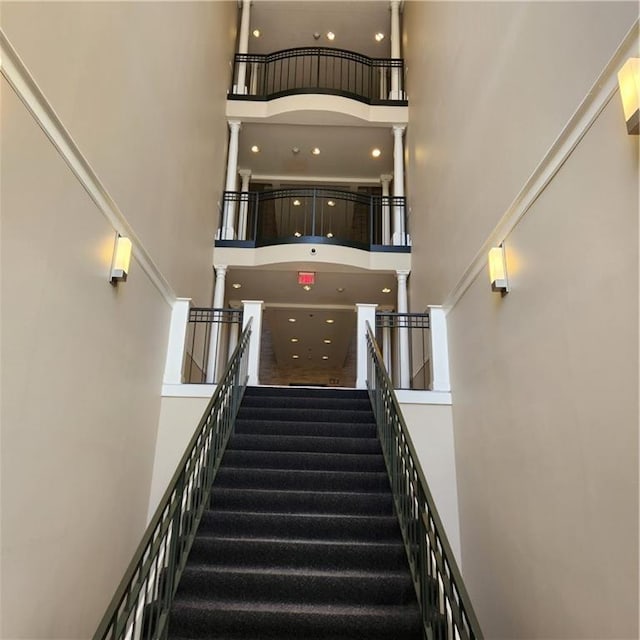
(498, 270)
(629, 82)
(121, 260)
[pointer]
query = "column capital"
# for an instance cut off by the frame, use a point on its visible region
(402, 274)
(386, 178)
(221, 270)
(398, 129)
(244, 173)
(395, 4)
(234, 125)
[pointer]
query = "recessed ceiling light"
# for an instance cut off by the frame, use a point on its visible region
(294, 339)
(236, 285)
(329, 235)
(376, 152)
(307, 287)
(340, 289)
(329, 321)
(325, 357)
(292, 319)
(316, 36)
(386, 290)
(296, 203)
(315, 151)
(295, 356)
(297, 234)
(331, 35)
(295, 150)
(379, 36)
(255, 148)
(327, 341)
(256, 33)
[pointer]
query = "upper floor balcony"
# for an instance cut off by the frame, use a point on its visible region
(318, 70)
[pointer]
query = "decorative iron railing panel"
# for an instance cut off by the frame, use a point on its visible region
(212, 334)
(331, 216)
(414, 328)
(447, 612)
(140, 607)
(318, 70)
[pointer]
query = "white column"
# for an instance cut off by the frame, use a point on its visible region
(229, 213)
(233, 337)
(366, 314)
(385, 180)
(243, 46)
(395, 49)
(398, 183)
(174, 362)
(245, 175)
(214, 338)
(386, 350)
(439, 360)
(253, 309)
(403, 331)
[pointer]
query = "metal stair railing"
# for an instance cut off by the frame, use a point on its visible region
(140, 607)
(447, 612)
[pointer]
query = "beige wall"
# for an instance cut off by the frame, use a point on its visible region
(82, 361)
(545, 380)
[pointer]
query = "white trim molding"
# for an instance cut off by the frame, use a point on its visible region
(600, 94)
(22, 82)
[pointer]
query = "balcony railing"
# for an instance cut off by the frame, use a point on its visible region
(329, 216)
(375, 81)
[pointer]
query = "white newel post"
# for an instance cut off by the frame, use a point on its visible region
(245, 176)
(214, 337)
(366, 314)
(253, 309)
(234, 332)
(385, 180)
(229, 214)
(403, 331)
(386, 351)
(174, 362)
(439, 361)
(243, 46)
(395, 49)
(398, 184)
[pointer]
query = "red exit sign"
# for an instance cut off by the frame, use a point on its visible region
(306, 277)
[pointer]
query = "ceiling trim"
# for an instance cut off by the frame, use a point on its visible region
(324, 179)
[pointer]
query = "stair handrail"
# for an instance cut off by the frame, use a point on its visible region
(139, 609)
(446, 608)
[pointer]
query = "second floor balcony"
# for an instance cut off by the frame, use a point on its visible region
(308, 70)
(254, 219)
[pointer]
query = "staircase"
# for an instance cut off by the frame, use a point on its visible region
(300, 540)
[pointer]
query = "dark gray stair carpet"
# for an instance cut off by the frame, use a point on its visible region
(300, 540)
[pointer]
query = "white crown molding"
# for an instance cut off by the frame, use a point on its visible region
(26, 88)
(604, 88)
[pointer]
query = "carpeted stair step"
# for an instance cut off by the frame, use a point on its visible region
(306, 392)
(260, 585)
(284, 622)
(291, 501)
(297, 402)
(283, 479)
(304, 414)
(309, 461)
(298, 428)
(300, 526)
(318, 444)
(300, 554)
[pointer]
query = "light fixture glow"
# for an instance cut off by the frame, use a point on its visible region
(256, 33)
(327, 341)
(307, 287)
(296, 203)
(295, 356)
(292, 319)
(376, 152)
(294, 339)
(236, 285)
(331, 35)
(295, 150)
(329, 235)
(325, 357)
(331, 203)
(340, 289)
(121, 260)
(315, 151)
(255, 149)
(329, 321)
(629, 82)
(386, 290)
(379, 36)
(297, 234)
(498, 270)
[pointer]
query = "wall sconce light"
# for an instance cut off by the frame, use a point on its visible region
(121, 260)
(629, 82)
(498, 270)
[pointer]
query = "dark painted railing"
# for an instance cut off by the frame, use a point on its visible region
(318, 215)
(390, 328)
(207, 356)
(447, 612)
(140, 607)
(318, 70)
